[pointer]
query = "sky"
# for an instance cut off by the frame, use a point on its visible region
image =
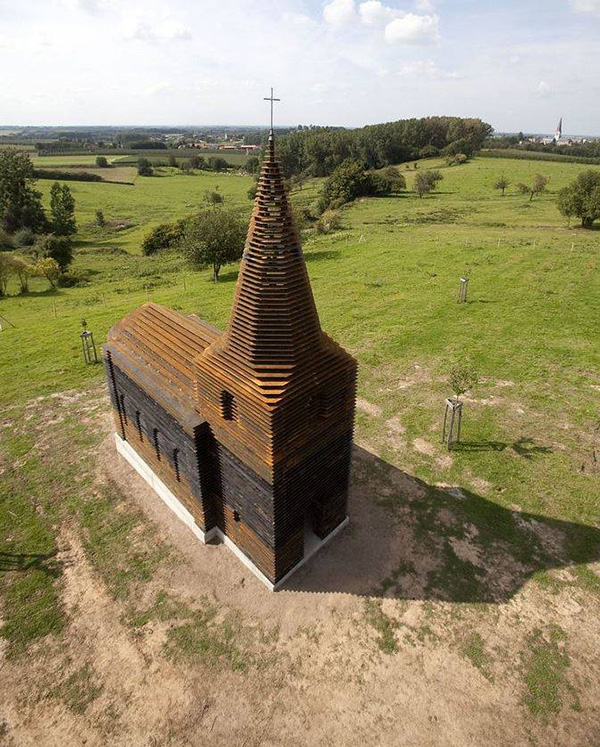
(517, 64)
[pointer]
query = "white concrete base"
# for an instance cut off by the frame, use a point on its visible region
(312, 546)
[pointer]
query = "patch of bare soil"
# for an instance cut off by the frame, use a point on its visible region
(369, 408)
(370, 643)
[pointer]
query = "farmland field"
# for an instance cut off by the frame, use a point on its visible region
(462, 604)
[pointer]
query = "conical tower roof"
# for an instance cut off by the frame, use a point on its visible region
(274, 321)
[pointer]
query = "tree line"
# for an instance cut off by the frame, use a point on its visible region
(24, 224)
(318, 152)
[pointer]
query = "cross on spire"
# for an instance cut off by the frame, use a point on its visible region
(271, 99)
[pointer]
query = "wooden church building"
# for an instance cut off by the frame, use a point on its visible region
(246, 434)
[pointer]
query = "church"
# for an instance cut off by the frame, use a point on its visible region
(245, 434)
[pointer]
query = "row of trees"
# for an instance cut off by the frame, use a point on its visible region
(319, 152)
(22, 270)
(200, 163)
(580, 199)
(21, 204)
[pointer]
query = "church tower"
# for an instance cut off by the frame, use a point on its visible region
(279, 396)
(558, 133)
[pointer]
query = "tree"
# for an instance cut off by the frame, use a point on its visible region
(6, 270)
(537, 186)
(23, 271)
(502, 183)
(100, 220)
(62, 208)
(252, 165)
(58, 248)
(346, 183)
(172, 160)
(144, 167)
(20, 203)
(462, 378)
(581, 198)
(48, 268)
(101, 162)
(197, 162)
(426, 181)
(216, 163)
(388, 181)
(213, 238)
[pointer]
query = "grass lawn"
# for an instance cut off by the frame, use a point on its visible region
(385, 286)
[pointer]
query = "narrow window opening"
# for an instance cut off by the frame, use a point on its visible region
(176, 464)
(156, 443)
(228, 406)
(122, 404)
(138, 422)
(236, 516)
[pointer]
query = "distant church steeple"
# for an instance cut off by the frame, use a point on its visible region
(558, 133)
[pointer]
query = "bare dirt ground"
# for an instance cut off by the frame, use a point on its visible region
(419, 625)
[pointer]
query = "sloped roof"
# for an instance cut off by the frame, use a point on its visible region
(157, 346)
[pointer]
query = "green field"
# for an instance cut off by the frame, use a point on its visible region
(386, 287)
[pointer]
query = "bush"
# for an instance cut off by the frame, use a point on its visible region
(172, 160)
(457, 160)
(71, 280)
(331, 220)
(252, 191)
(216, 163)
(48, 268)
(23, 237)
(197, 162)
(161, 238)
(346, 183)
(6, 241)
(252, 165)
(67, 176)
(101, 162)
(429, 151)
(213, 198)
(387, 182)
(58, 248)
(23, 271)
(99, 220)
(144, 167)
(426, 181)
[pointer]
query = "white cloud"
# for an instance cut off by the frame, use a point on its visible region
(296, 19)
(320, 87)
(426, 69)
(586, 6)
(374, 12)
(87, 6)
(157, 32)
(543, 89)
(413, 29)
(338, 12)
(161, 87)
(424, 6)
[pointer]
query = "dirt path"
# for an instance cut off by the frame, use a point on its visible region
(372, 643)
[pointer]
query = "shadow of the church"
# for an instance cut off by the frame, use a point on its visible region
(410, 540)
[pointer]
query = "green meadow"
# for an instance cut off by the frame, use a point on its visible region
(386, 286)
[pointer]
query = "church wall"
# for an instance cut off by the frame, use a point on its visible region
(176, 457)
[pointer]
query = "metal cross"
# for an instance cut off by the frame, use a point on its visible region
(271, 99)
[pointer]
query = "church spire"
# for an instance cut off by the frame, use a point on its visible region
(274, 324)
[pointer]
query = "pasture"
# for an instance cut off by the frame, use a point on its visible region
(461, 606)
